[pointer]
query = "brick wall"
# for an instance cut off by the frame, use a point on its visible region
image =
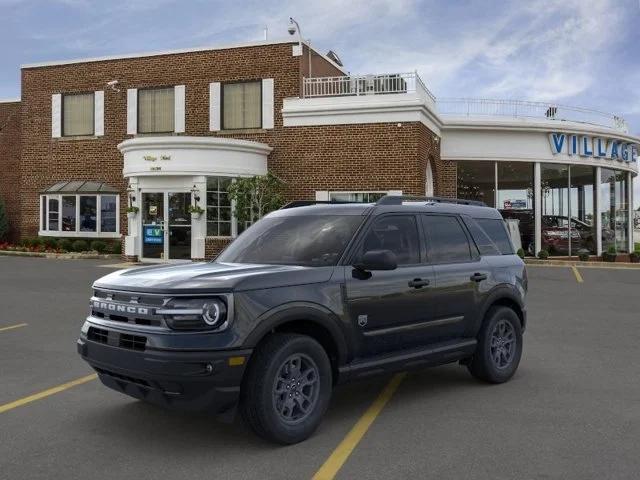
(10, 163)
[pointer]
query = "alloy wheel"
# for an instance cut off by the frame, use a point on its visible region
(296, 388)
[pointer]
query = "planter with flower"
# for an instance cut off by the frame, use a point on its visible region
(195, 211)
(132, 212)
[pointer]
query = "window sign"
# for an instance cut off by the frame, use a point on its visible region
(153, 235)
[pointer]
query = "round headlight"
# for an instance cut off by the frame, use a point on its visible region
(211, 313)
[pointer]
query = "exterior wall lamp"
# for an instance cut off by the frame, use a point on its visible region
(132, 197)
(196, 194)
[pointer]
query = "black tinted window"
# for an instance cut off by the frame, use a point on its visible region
(447, 240)
(398, 233)
(312, 241)
(484, 243)
(497, 232)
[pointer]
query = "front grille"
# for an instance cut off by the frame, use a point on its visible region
(125, 378)
(132, 308)
(122, 340)
(98, 335)
(132, 342)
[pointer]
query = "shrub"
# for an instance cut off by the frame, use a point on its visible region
(4, 222)
(116, 247)
(583, 255)
(80, 246)
(520, 253)
(49, 243)
(611, 254)
(99, 246)
(543, 254)
(65, 244)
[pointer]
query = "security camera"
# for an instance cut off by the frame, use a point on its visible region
(291, 29)
(112, 85)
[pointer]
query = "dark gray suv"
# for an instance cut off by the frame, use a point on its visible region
(309, 296)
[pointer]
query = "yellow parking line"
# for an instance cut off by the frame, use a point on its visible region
(340, 455)
(577, 274)
(37, 396)
(19, 325)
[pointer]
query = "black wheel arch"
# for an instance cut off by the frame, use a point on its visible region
(305, 318)
(503, 295)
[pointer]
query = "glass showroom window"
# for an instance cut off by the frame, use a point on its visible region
(219, 211)
(77, 114)
(241, 105)
(156, 110)
(79, 215)
(582, 203)
(516, 200)
(363, 197)
(477, 181)
(555, 210)
(614, 189)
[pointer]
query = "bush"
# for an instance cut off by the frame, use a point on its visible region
(65, 244)
(610, 255)
(583, 255)
(99, 246)
(520, 253)
(49, 243)
(4, 222)
(116, 247)
(80, 246)
(543, 254)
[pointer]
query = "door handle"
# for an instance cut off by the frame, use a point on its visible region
(418, 283)
(478, 277)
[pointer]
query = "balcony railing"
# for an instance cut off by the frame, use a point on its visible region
(343, 86)
(473, 107)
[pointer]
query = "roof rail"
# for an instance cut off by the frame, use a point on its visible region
(398, 199)
(306, 203)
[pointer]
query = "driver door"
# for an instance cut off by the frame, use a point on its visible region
(390, 309)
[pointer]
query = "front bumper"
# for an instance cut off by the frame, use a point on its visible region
(195, 381)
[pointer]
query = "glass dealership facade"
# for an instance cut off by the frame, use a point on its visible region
(581, 207)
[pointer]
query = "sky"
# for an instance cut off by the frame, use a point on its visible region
(577, 52)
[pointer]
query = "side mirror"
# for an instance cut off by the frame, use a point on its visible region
(377, 260)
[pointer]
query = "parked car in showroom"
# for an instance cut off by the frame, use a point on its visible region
(308, 297)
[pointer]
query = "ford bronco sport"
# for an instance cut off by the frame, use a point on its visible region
(309, 296)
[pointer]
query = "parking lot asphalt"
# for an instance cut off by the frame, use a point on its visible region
(571, 411)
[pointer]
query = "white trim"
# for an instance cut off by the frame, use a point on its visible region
(176, 52)
(98, 115)
(214, 107)
(537, 208)
(132, 111)
(56, 115)
(179, 97)
(61, 234)
(322, 195)
(77, 233)
(429, 183)
(630, 212)
(598, 210)
(10, 100)
(267, 103)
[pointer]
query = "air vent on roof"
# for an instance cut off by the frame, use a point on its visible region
(333, 56)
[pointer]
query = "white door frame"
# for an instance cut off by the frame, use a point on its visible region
(165, 215)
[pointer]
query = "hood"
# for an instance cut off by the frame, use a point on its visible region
(211, 277)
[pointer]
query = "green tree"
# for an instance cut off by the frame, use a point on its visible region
(4, 222)
(254, 197)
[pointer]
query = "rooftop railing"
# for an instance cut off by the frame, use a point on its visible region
(473, 107)
(357, 85)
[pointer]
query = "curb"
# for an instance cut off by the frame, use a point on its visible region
(61, 256)
(569, 263)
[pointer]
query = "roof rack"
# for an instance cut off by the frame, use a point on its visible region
(306, 203)
(399, 199)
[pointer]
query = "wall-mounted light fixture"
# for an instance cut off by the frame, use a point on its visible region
(196, 194)
(132, 197)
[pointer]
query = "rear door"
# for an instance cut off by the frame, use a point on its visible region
(390, 309)
(459, 272)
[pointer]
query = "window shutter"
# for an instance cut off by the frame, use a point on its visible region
(267, 103)
(98, 115)
(56, 115)
(214, 107)
(132, 111)
(179, 99)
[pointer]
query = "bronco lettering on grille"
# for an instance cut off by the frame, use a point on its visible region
(119, 308)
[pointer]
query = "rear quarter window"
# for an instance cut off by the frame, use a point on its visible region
(496, 230)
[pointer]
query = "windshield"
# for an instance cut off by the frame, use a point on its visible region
(312, 241)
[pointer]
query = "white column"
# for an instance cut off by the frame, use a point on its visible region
(199, 226)
(537, 208)
(598, 213)
(132, 242)
(630, 210)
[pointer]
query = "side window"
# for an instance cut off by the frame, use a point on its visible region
(447, 240)
(497, 232)
(398, 233)
(486, 246)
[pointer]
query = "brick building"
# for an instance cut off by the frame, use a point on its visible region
(164, 131)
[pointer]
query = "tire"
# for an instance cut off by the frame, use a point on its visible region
(497, 363)
(276, 407)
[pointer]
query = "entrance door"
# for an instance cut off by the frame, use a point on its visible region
(166, 226)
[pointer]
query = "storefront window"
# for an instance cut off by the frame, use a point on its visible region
(53, 213)
(555, 210)
(69, 213)
(614, 190)
(219, 214)
(515, 202)
(88, 214)
(477, 181)
(582, 206)
(108, 213)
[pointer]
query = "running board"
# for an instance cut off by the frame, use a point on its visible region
(435, 354)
